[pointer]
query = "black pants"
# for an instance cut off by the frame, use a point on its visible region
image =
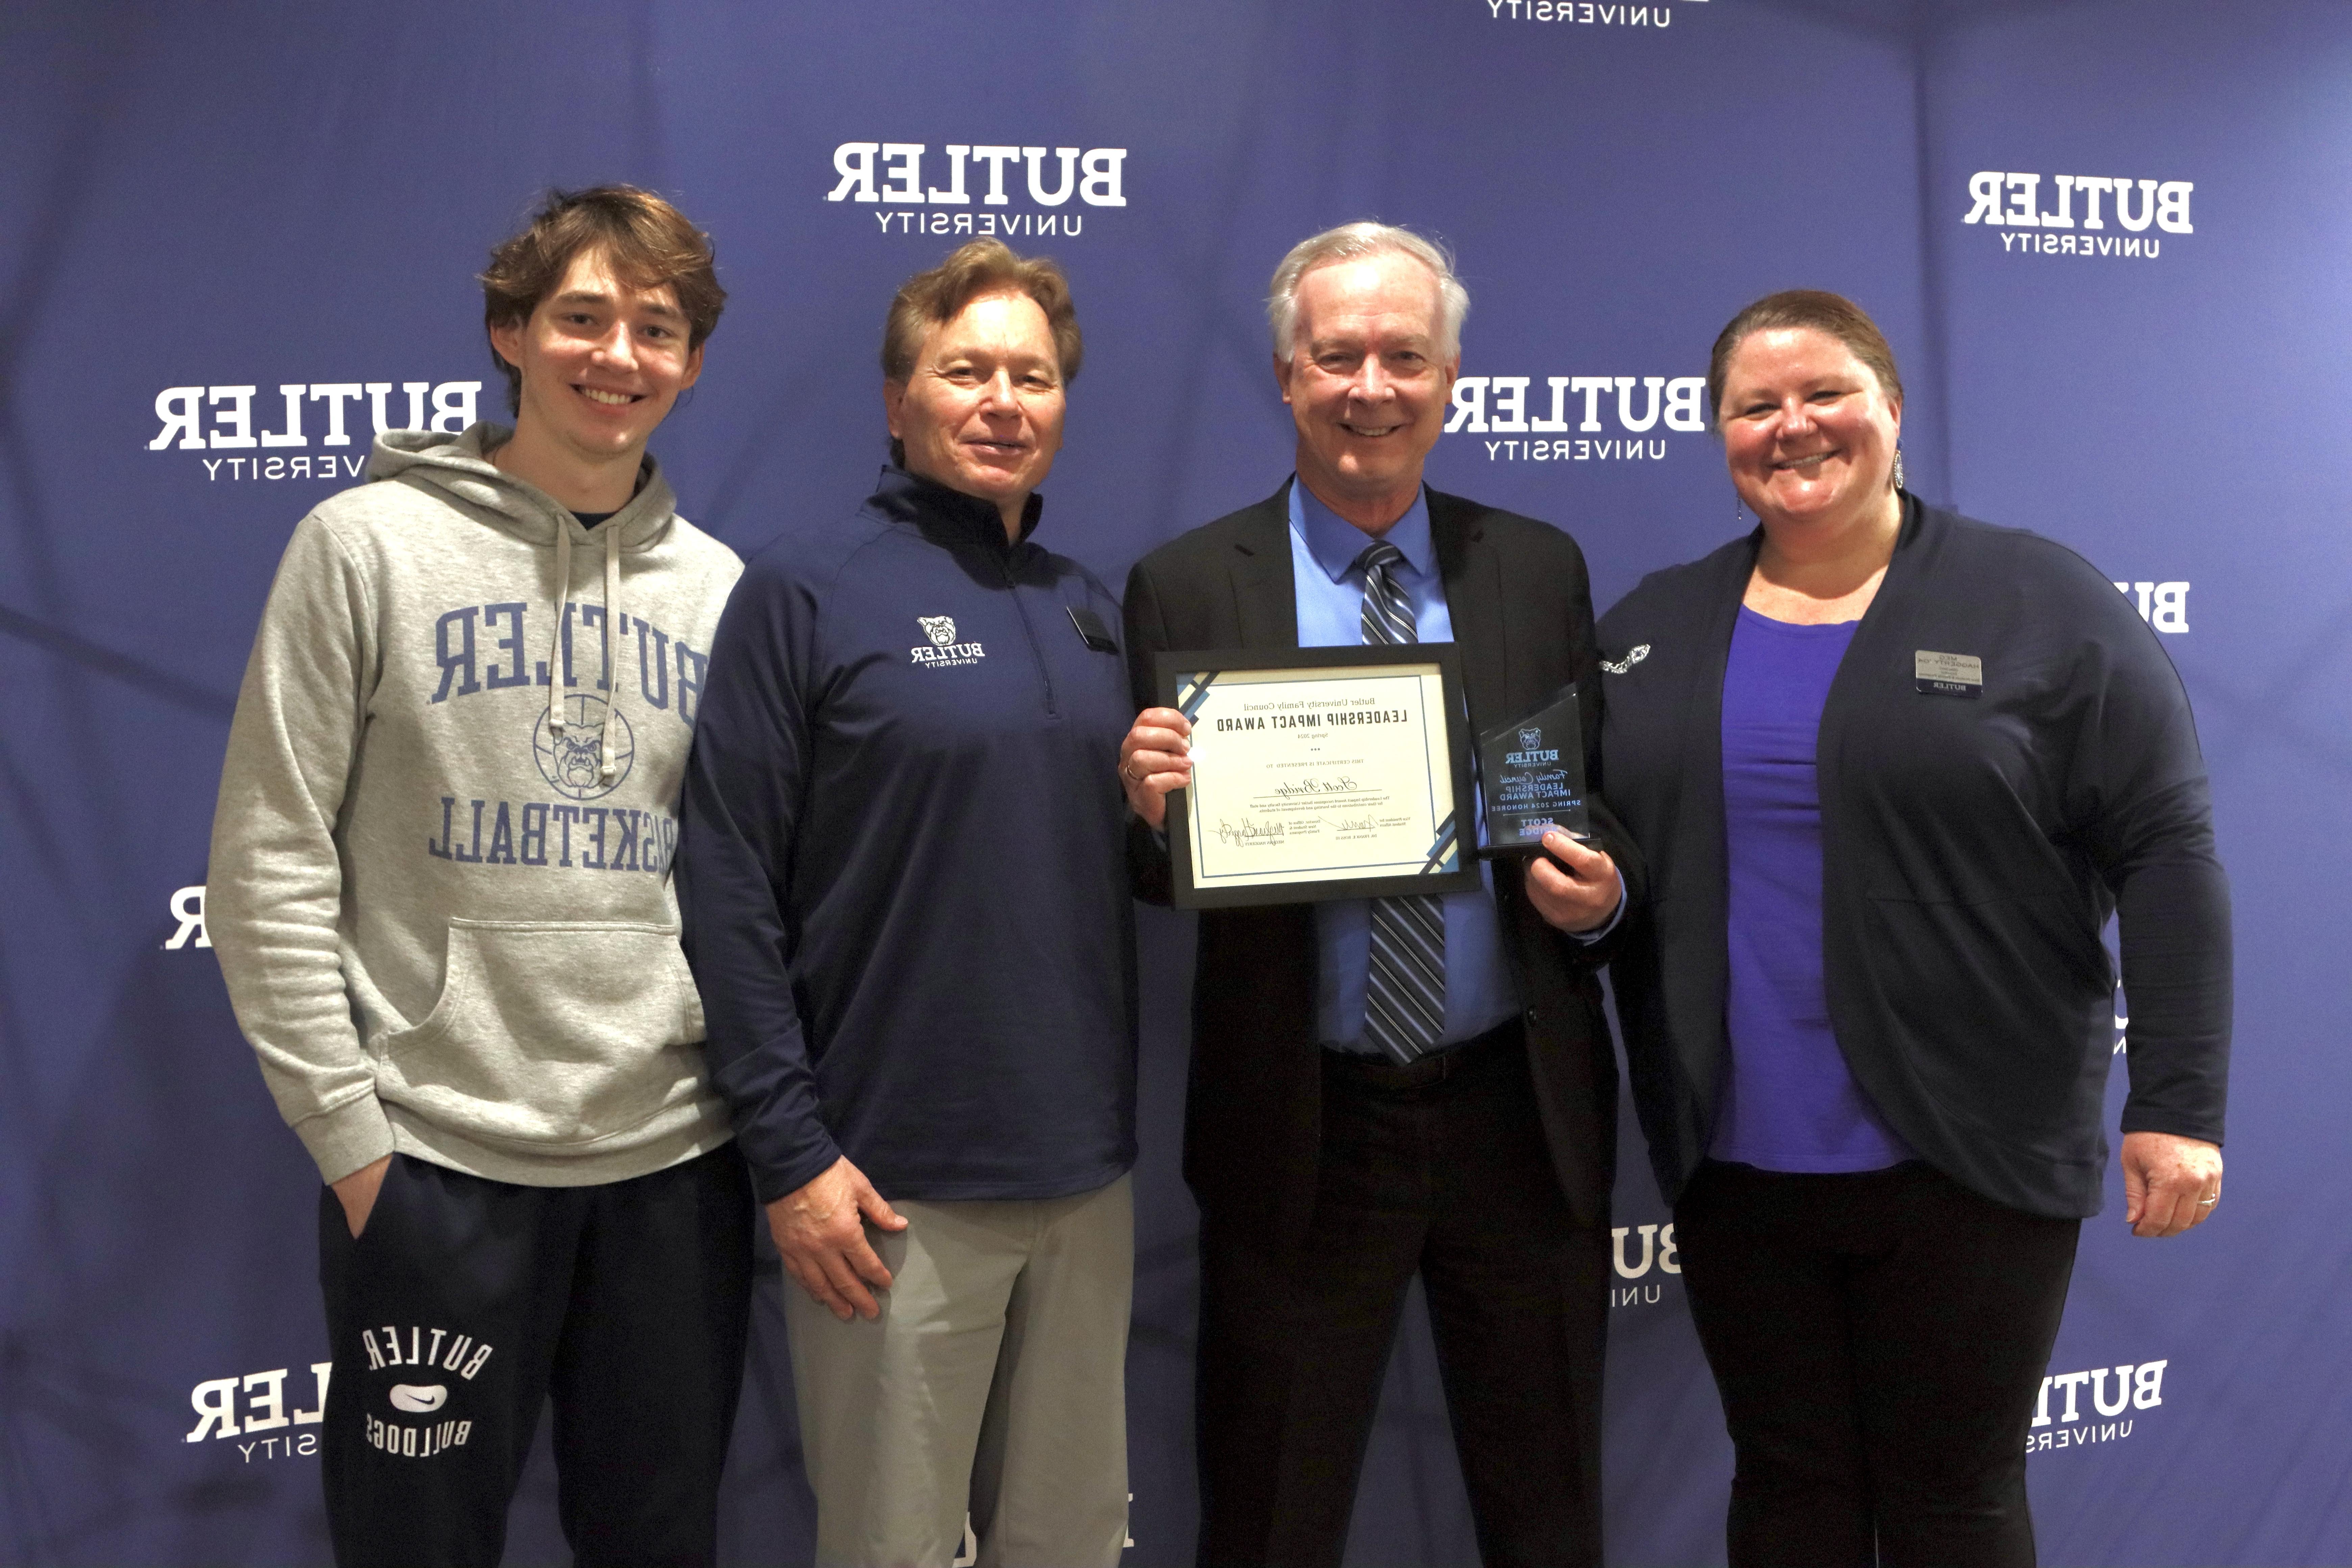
(1438, 1169)
(1879, 1339)
(467, 1302)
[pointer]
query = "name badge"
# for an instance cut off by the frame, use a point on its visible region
(1948, 674)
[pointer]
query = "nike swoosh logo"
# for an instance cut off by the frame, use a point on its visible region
(419, 1399)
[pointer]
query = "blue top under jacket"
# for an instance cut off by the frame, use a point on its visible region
(1788, 1102)
(902, 865)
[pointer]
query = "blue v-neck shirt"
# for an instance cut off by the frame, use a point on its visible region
(1789, 1102)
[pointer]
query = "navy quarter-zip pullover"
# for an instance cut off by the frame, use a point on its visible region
(902, 861)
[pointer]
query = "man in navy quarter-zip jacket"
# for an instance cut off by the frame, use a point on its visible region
(903, 876)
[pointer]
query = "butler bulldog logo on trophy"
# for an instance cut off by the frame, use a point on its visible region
(1532, 787)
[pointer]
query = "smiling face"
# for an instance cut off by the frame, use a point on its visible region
(981, 412)
(1808, 432)
(601, 364)
(1366, 384)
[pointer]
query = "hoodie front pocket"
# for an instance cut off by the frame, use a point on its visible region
(551, 1031)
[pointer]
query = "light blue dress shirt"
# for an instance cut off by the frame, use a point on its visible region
(1480, 990)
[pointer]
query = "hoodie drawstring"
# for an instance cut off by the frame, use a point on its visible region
(563, 614)
(612, 637)
(608, 766)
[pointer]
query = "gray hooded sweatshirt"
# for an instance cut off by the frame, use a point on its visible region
(439, 886)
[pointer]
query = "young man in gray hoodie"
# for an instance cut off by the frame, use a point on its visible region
(440, 894)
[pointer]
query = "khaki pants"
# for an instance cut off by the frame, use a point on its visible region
(994, 1381)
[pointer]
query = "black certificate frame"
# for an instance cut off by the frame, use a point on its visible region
(1183, 680)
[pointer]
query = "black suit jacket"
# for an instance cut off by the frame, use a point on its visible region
(1522, 613)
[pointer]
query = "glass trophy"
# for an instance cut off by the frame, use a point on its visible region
(1533, 775)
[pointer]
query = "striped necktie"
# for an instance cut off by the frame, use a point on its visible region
(1405, 989)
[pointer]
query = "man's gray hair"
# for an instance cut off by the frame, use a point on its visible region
(1353, 242)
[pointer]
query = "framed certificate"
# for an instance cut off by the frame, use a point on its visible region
(1320, 773)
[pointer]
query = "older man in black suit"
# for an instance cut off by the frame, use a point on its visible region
(1392, 1086)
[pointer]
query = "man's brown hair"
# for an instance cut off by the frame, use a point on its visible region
(646, 241)
(1823, 311)
(937, 297)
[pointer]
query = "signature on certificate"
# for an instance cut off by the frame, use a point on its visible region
(1288, 788)
(1249, 831)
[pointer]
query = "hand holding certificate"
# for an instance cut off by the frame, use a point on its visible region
(1155, 759)
(1317, 774)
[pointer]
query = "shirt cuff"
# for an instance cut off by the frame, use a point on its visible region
(1588, 937)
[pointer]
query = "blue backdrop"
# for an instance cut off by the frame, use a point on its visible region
(2107, 239)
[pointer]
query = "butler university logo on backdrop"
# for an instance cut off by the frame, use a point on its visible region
(2103, 1404)
(1576, 418)
(260, 1413)
(1582, 12)
(1654, 1245)
(219, 422)
(572, 759)
(968, 190)
(943, 651)
(2087, 217)
(2164, 606)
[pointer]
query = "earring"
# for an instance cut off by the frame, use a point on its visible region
(1898, 467)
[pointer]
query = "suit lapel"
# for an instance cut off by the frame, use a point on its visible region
(1473, 600)
(1266, 597)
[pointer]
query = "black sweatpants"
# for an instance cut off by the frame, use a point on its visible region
(1878, 1340)
(466, 1303)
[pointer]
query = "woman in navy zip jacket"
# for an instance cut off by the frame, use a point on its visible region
(1893, 769)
